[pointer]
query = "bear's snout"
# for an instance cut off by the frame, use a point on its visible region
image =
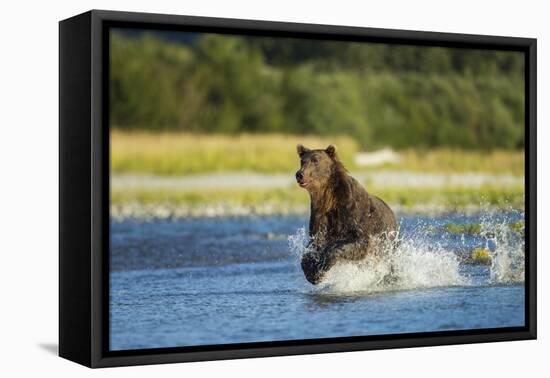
(301, 179)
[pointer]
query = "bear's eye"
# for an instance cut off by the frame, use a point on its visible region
(314, 160)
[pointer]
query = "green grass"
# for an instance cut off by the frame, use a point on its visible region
(453, 197)
(172, 154)
(275, 197)
(449, 198)
(181, 154)
(480, 256)
(518, 227)
(475, 228)
(468, 228)
(459, 161)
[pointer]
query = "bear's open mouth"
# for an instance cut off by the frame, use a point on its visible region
(303, 183)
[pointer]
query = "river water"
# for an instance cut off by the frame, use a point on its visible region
(205, 281)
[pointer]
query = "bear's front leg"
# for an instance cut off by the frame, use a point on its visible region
(316, 264)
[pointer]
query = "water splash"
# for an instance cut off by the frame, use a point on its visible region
(413, 265)
(424, 261)
(507, 249)
(297, 243)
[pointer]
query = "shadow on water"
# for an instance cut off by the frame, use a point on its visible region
(231, 292)
(325, 300)
(51, 348)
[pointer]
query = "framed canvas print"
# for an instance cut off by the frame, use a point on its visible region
(234, 188)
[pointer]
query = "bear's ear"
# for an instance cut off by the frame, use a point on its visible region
(331, 151)
(301, 149)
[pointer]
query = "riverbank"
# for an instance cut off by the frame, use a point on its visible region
(245, 194)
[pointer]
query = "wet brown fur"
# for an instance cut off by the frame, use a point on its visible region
(346, 222)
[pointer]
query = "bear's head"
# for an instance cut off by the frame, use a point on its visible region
(316, 167)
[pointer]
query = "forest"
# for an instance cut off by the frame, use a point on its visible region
(380, 95)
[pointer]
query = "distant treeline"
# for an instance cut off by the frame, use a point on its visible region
(380, 94)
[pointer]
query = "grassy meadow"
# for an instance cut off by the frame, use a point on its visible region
(172, 153)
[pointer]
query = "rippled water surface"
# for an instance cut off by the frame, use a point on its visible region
(233, 280)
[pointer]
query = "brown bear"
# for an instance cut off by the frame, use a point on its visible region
(346, 222)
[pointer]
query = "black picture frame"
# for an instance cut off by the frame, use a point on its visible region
(84, 189)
